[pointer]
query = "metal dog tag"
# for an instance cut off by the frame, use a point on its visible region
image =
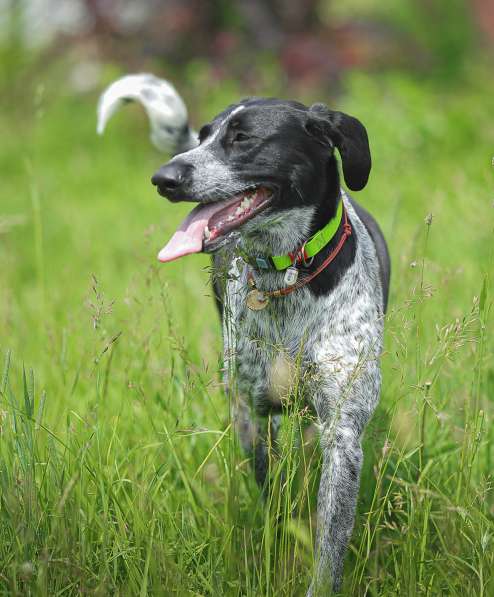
(291, 276)
(256, 300)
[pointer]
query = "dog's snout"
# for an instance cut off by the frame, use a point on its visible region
(170, 177)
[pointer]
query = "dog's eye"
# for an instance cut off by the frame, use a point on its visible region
(204, 132)
(239, 137)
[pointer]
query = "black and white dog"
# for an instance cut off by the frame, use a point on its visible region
(264, 178)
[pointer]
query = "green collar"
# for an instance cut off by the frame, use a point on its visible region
(307, 251)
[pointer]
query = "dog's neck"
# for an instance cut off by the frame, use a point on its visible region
(286, 230)
(290, 228)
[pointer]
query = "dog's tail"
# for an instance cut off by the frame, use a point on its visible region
(166, 110)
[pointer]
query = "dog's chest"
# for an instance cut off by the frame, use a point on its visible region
(266, 349)
(300, 331)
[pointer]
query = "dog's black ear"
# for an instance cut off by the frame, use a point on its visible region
(350, 137)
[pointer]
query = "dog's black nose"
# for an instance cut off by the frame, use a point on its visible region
(170, 176)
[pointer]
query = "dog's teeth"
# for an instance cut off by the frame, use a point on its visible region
(207, 233)
(238, 211)
(231, 217)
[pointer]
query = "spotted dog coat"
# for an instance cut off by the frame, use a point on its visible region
(333, 326)
(341, 338)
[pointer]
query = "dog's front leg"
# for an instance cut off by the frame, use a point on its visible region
(337, 498)
(344, 402)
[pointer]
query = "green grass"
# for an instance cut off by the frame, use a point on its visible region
(119, 471)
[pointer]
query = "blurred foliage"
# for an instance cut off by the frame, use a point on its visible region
(314, 43)
(445, 35)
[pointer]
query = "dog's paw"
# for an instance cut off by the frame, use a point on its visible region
(166, 110)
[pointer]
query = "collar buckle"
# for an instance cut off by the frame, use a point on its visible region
(304, 260)
(300, 257)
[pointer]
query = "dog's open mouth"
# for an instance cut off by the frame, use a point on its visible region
(208, 224)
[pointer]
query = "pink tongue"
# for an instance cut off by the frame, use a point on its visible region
(188, 237)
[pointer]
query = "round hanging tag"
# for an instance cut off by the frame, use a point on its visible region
(256, 300)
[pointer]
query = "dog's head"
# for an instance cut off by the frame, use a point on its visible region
(265, 168)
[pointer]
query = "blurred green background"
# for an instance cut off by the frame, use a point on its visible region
(119, 473)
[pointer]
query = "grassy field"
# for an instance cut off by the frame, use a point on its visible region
(119, 471)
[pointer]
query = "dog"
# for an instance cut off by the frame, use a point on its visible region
(301, 273)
